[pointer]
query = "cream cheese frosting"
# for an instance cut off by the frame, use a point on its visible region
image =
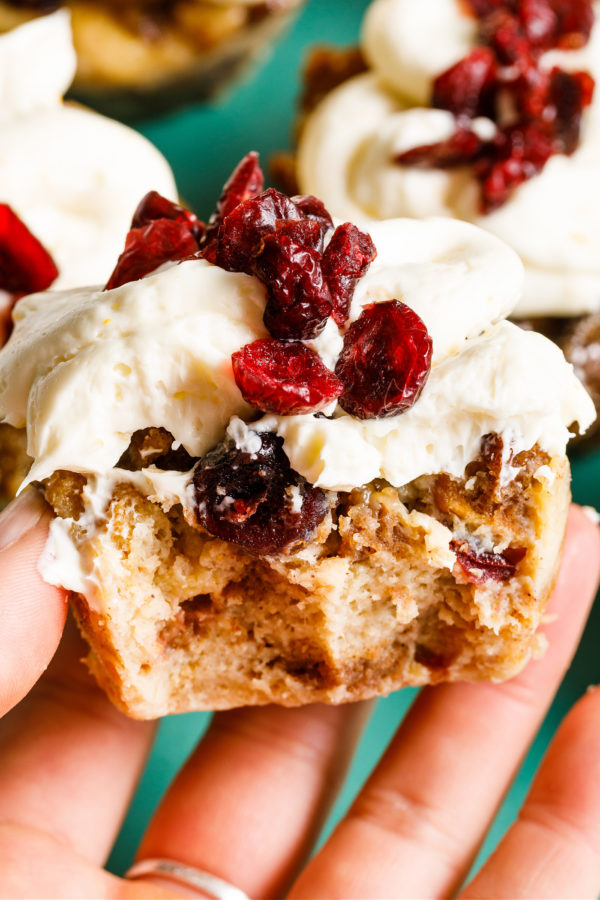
(72, 176)
(85, 369)
(347, 149)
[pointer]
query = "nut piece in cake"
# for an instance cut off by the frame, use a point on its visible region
(319, 464)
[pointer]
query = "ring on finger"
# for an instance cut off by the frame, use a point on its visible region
(186, 876)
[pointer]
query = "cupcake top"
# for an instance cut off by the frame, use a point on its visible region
(380, 354)
(467, 83)
(71, 175)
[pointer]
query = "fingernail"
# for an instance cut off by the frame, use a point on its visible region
(20, 516)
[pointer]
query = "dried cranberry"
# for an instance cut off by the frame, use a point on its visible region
(463, 147)
(149, 247)
(25, 265)
(245, 182)
(284, 378)
(467, 88)
(154, 206)
(256, 500)
(482, 566)
(505, 34)
(385, 361)
(313, 208)
(540, 22)
(576, 20)
(347, 257)
(570, 93)
(299, 301)
(517, 154)
(242, 231)
(302, 231)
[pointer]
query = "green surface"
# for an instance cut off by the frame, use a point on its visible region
(203, 145)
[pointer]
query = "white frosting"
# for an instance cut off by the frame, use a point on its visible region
(347, 149)
(85, 369)
(72, 176)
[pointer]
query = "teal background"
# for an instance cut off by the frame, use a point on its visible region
(203, 145)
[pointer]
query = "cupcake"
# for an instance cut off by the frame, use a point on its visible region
(68, 181)
(139, 57)
(293, 461)
(483, 111)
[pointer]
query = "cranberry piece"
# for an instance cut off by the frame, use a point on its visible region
(284, 378)
(154, 206)
(313, 208)
(505, 34)
(245, 182)
(299, 301)
(517, 154)
(347, 257)
(149, 247)
(467, 88)
(243, 229)
(576, 20)
(482, 566)
(256, 500)
(25, 265)
(302, 231)
(540, 22)
(570, 93)
(462, 148)
(385, 361)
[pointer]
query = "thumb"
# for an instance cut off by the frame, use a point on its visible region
(32, 613)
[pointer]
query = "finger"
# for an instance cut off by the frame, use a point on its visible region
(250, 802)
(69, 761)
(416, 826)
(553, 850)
(32, 612)
(37, 864)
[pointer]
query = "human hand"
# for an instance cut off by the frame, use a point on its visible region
(249, 803)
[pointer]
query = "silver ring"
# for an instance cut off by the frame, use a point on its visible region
(187, 876)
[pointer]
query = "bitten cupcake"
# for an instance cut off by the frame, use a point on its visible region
(486, 111)
(293, 461)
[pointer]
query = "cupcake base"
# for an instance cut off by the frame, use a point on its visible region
(178, 620)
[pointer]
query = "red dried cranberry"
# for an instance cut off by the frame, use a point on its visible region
(242, 231)
(149, 247)
(256, 500)
(505, 34)
(347, 257)
(299, 301)
(540, 22)
(463, 147)
(482, 566)
(516, 154)
(284, 378)
(576, 20)
(302, 231)
(467, 88)
(570, 93)
(154, 206)
(385, 361)
(245, 182)
(313, 208)
(25, 265)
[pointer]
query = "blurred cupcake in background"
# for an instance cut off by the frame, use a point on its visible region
(483, 110)
(140, 57)
(70, 180)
